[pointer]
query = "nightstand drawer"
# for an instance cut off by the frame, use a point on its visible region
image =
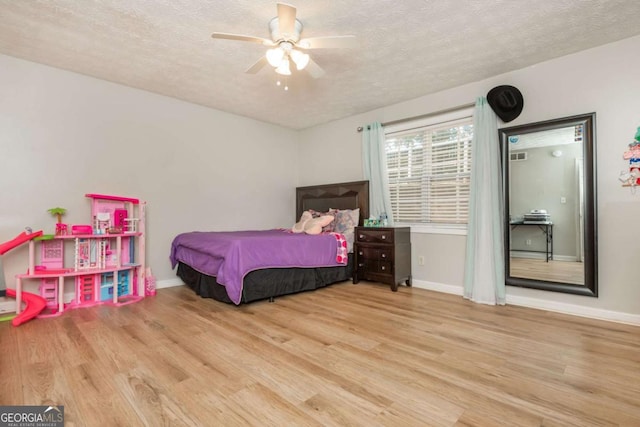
(384, 267)
(365, 252)
(375, 236)
(367, 265)
(374, 267)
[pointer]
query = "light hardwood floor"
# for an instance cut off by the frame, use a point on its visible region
(344, 355)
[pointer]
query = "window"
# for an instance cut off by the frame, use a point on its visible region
(429, 167)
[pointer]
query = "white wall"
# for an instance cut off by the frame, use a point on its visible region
(63, 135)
(605, 80)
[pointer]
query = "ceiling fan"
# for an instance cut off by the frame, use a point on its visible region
(286, 46)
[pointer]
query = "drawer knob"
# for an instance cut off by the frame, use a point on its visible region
(384, 237)
(384, 268)
(384, 255)
(360, 253)
(360, 265)
(361, 236)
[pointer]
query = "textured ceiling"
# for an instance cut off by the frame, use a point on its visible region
(407, 48)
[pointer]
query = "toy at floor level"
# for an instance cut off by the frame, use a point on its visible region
(35, 304)
(108, 265)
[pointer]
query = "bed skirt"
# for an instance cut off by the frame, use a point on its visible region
(267, 283)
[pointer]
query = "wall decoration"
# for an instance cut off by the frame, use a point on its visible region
(631, 177)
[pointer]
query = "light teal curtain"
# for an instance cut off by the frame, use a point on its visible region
(484, 267)
(374, 165)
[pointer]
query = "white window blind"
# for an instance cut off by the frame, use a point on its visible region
(429, 171)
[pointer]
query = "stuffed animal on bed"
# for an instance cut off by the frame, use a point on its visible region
(310, 225)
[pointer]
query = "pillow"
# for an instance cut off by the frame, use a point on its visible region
(345, 219)
(329, 228)
(314, 226)
(345, 223)
(298, 227)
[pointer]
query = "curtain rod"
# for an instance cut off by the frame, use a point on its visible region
(424, 116)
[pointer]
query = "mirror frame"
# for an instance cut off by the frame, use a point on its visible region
(590, 287)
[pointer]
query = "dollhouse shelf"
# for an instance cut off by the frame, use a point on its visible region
(114, 198)
(107, 268)
(73, 273)
(97, 236)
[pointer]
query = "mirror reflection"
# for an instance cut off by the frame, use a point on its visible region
(550, 203)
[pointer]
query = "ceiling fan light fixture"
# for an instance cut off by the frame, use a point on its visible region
(286, 45)
(283, 68)
(301, 59)
(275, 56)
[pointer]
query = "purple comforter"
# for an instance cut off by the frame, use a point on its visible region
(229, 256)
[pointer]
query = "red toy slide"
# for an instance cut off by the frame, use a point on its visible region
(35, 304)
(18, 240)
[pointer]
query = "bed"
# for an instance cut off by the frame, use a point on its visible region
(268, 283)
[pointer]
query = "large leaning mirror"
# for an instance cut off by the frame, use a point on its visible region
(550, 205)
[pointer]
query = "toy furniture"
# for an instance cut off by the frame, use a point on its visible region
(35, 304)
(108, 259)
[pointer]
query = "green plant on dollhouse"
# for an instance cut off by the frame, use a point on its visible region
(61, 229)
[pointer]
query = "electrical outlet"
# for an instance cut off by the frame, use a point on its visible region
(420, 260)
(563, 200)
(528, 242)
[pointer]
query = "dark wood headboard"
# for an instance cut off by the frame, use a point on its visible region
(344, 195)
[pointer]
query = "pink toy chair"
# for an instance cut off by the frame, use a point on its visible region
(61, 229)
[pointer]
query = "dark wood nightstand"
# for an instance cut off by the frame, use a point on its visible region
(383, 254)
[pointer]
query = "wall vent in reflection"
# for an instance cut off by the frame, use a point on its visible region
(518, 156)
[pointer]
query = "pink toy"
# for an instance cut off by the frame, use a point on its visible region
(81, 229)
(18, 240)
(150, 284)
(51, 262)
(115, 198)
(61, 229)
(119, 216)
(108, 265)
(35, 305)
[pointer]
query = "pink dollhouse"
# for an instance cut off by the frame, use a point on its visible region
(108, 258)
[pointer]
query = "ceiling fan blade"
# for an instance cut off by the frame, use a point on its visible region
(314, 69)
(286, 20)
(257, 66)
(243, 38)
(328, 42)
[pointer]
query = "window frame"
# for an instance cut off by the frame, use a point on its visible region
(432, 120)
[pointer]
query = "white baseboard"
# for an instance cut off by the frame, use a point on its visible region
(575, 310)
(169, 283)
(7, 305)
(528, 255)
(566, 258)
(558, 307)
(438, 287)
(542, 256)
